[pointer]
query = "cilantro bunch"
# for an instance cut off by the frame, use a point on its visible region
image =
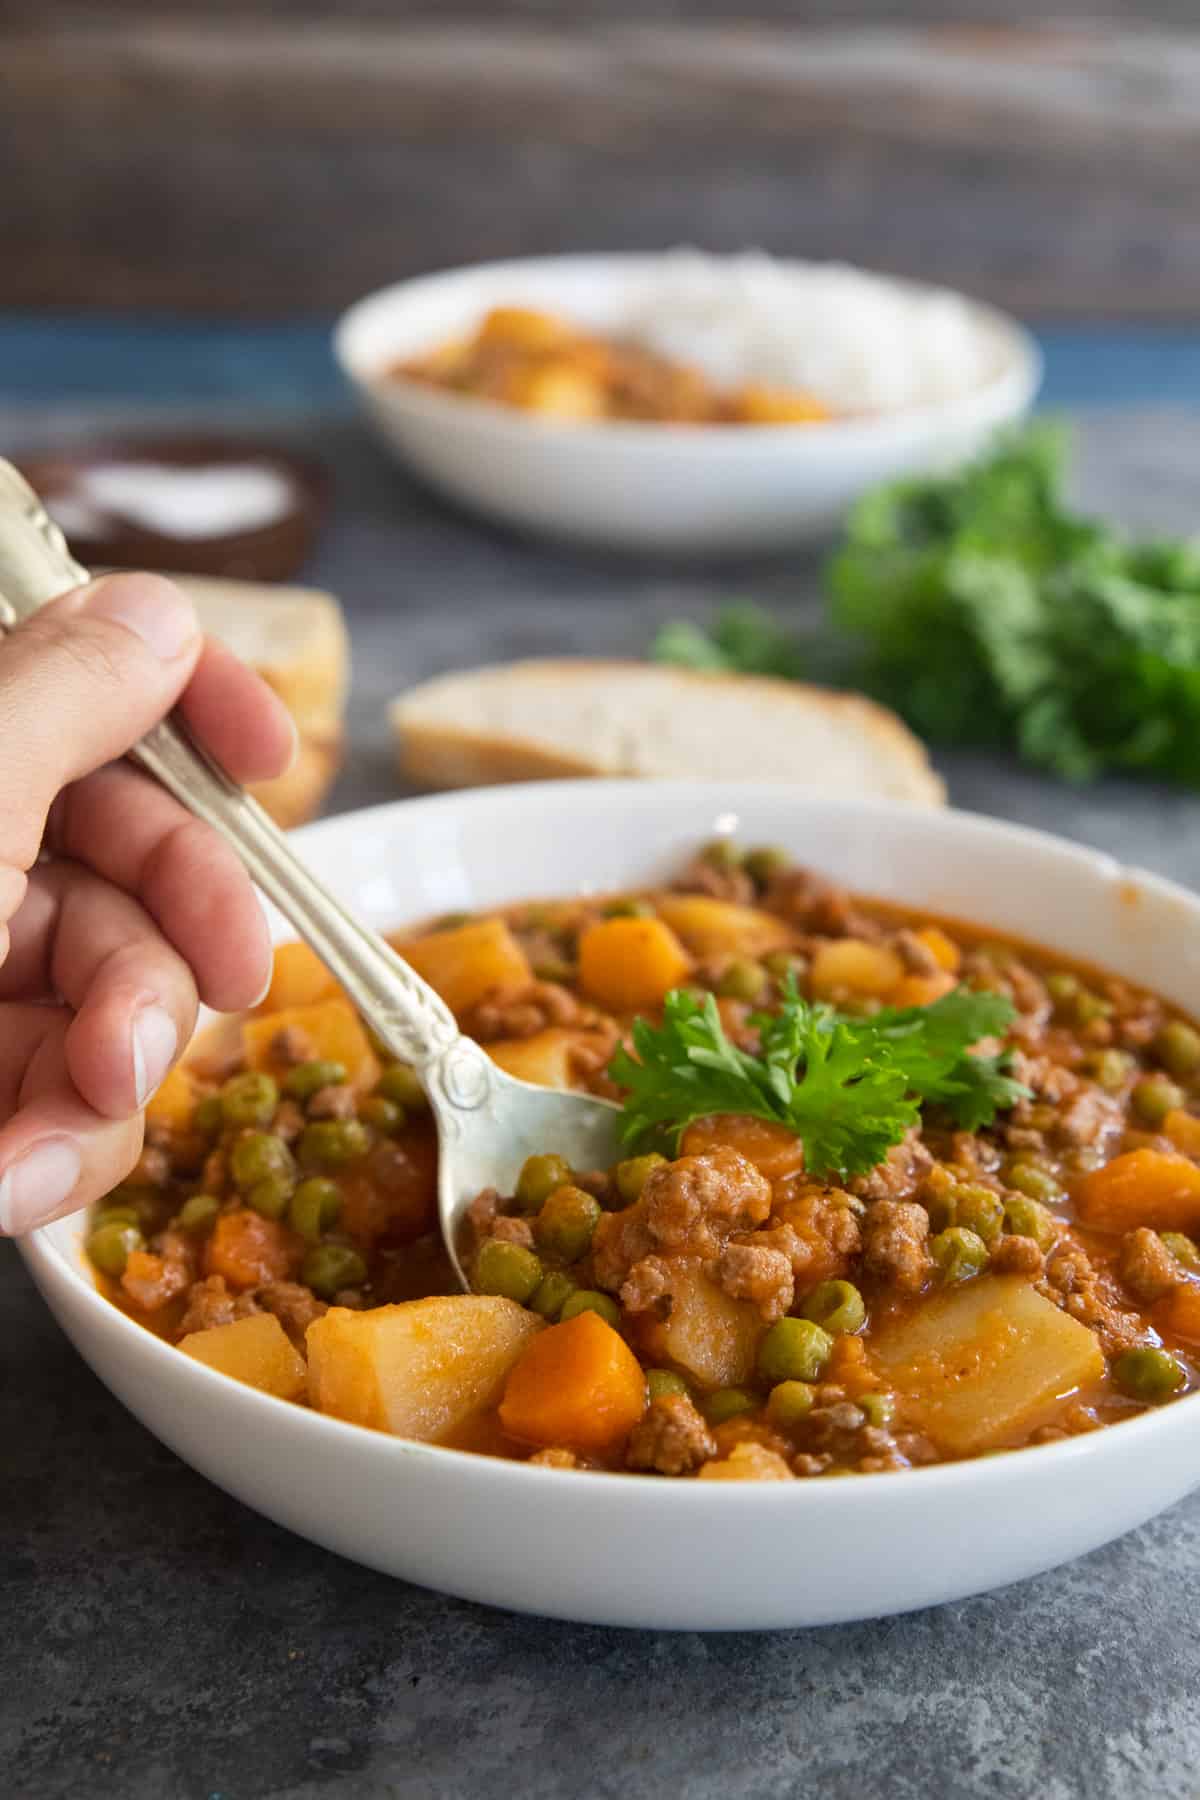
(848, 1087)
(986, 611)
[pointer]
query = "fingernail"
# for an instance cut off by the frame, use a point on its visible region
(153, 609)
(37, 1185)
(154, 1043)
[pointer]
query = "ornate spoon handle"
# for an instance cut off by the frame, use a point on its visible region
(416, 1025)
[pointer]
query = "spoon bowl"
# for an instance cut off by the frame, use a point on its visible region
(487, 1121)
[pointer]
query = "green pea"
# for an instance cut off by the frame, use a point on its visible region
(1035, 1182)
(1183, 1249)
(940, 1197)
(384, 1116)
(1148, 1373)
(837, 1306)
(401, 1084)
(779, 964)
(1029, 1218)
(110, 1246)
(551, 1294)
(591, 1300)
(249, 1098)
(116, 1215)
(507, 1269)
(1154, 1097)
(744, 979)
(452, 921)
(788, 1403)
(794, 1350)
(980, 1210)
(1088, 1007)
(539, 1177)
(1177, 1047)
(1062, 987)
(722, 854)
(198, 1214)
(259, 1156)
(727, 1403)
(556, 969)
(1110, 1069)
(628, 906)
(661, 1382)
(208, 1115)
(879, 1408)
(270, 1196)
(315, 1206)
(631, 1175)
(565, 1224)
(958, 1254)
(331, 1143)
(766, 861)
(328, 1268)
(308, 1078)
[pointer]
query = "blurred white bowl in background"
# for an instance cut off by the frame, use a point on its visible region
(690, 489)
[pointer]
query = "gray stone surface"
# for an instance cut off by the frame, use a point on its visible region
(160, 1642)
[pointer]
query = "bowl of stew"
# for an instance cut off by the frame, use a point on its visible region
(549, 394)
(757, 1373)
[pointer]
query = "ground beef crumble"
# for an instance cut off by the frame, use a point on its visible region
(671, 1438)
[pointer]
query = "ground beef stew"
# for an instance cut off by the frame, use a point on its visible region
(895, 1194)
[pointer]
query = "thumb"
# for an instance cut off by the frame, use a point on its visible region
(80, 682)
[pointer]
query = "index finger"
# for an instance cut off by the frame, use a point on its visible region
(80, 682)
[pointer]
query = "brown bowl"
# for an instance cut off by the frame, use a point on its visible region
(272, 551)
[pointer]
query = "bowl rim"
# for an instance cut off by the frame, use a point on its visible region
(1006, 393)
(42, 1255)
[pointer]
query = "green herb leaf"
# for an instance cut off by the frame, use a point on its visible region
(987, 611)
(849, 1088)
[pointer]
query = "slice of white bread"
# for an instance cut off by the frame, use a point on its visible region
(535, 720)
(296, 639)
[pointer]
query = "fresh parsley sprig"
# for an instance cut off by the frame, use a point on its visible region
(849, 1088)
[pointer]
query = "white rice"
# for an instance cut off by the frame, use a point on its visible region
(859, 342)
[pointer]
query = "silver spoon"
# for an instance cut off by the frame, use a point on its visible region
(487, 1121)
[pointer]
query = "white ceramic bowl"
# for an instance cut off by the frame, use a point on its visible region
(624, 1550)
(646, 487)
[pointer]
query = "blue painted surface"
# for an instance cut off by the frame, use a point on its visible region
(63, 358)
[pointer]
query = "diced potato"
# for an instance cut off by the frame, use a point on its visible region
(629, 964)
(332, 1028)
(256, 1350)
(557, 387)
(709, 1337)
(422, 1369)
(172, 1106)
(544, 1058)
(1178, 1313)
(717, 927)
(774, 1150)
(760, 405)
(469, 962)
(747, 1462)
(523, 328)
(299, 978)
(977, 1366)
(1143, 1187)
(854, 966)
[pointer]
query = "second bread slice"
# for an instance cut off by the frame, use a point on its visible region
(535, 720)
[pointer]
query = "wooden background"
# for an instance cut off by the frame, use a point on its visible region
(265, 157)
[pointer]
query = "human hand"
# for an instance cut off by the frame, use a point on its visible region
(118, 910)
